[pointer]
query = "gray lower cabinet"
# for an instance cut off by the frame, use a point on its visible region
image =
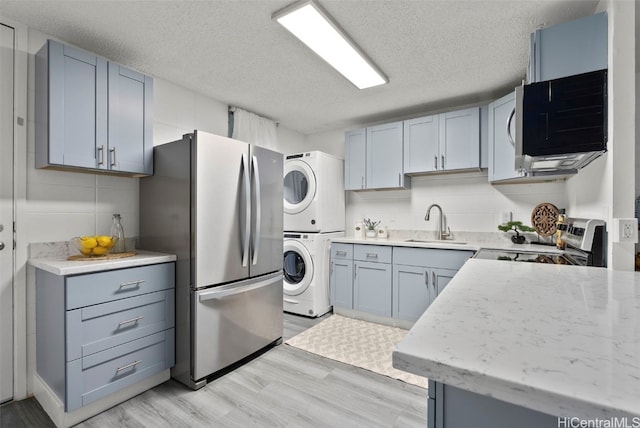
(372, 279)
(98, 333)
(372, 288)
(392, 282)
(91, 114)
(412, 292)
(451, 407)
(341, 275)
(419, 276)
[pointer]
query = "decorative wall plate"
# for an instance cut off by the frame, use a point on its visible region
(544, 219)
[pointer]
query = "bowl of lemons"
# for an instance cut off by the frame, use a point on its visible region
(94, 246)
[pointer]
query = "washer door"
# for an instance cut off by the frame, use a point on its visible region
(299, 186)
(298, 268)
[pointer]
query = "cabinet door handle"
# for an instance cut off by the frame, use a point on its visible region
(433, 282)
(435, 162)
(442, 166)
(399, 179)
(128, 366)
(509, 136)
(372, 255)
(132, 283)
(101, 155)
(132, 320)
(362, 182)
(426, 279)
(112, 153)
(331, 269)
(355, 271)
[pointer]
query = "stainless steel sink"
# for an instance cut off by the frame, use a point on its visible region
(442, 241)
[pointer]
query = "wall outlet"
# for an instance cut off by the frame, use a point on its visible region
(625, 230)
(506, 217)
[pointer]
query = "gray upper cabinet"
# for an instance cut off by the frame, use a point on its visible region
(443, 142)
(569, 48)
(421, 144)
(130, 121)
(355, 152)
(502, 139)
(460, 139)
(384, 156)
(373, 158)
(91, 114)
(71, 105)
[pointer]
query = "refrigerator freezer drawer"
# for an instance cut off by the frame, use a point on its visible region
(234, 321)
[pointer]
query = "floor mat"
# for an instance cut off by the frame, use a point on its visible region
(358, 343)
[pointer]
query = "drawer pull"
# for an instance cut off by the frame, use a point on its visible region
(341, 253)
(128, 366)
(136, 319)
(132, 283)
(372, 255)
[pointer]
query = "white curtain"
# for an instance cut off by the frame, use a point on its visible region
(251, 128)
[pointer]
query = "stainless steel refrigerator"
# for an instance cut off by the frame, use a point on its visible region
(216, 203)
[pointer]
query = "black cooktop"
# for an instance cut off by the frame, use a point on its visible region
(526, 256)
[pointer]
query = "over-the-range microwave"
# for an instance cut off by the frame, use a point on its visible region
(561, 124)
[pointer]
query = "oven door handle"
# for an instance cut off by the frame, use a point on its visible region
(237, 289)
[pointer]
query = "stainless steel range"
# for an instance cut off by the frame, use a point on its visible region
(585, 240)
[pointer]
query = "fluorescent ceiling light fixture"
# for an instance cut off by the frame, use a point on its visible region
(315, 28)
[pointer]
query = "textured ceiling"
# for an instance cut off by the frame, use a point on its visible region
(435, 53)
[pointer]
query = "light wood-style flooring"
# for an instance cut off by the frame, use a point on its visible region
(284, 387)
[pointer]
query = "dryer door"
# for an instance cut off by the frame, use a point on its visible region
(299, 186)
(298, 268)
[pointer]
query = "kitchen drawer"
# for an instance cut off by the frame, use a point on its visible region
(95, 328)
(103, 373)
(341, 251)
(372, 253)
(429, 257)
(101, 287)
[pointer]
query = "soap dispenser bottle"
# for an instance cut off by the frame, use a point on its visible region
(117, 232)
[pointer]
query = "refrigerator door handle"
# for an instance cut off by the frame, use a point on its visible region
(247, 221)
(256, 243)
(231, 291)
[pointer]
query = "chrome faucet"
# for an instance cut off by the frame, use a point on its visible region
(441, 233)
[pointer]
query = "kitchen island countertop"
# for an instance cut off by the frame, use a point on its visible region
(62, 266)
(562, 340)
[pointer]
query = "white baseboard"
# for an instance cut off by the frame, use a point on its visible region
(55, 407)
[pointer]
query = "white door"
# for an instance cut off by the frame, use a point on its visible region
(6, 211)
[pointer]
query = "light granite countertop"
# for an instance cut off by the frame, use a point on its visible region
(59, 265)
(469, 243)
(563, 340)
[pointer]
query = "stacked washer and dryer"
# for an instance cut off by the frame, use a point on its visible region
(314, 211)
